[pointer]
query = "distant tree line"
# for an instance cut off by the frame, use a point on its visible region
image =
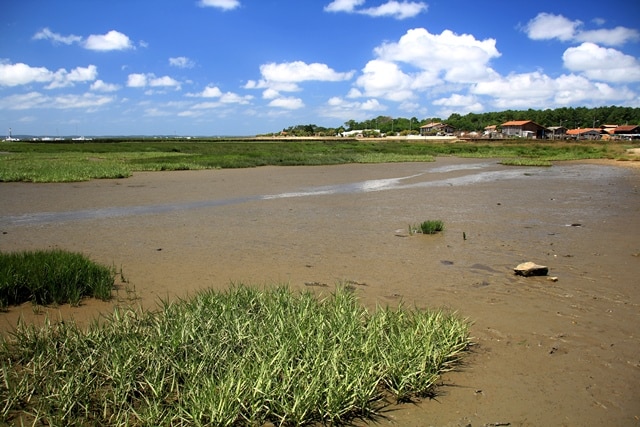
(569, 117)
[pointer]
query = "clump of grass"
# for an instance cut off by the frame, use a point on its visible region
(51, 276)
(431, 226)
(525, 162)
(242, 357)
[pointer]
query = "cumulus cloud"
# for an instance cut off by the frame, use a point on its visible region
(392, 8)
(288, 103)
(137, 80)
(547, 26)
(385, 79)
(220, 4)
(462, 104)
(298, 71)
(287, 76)
(538, 90)
(64, 78)
(434, 60)
(603, 64)
(181, 62)
(223, 97)
(47, 34)
(340, 108)
(113, 40)
(101, 86)
(23, 74)
(343, 5)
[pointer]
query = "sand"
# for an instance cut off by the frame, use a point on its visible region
(563, 352)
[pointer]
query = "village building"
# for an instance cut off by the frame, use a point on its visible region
(585, 133)
(434, 128)
(524, 129)
(557, 132)
(627, 131)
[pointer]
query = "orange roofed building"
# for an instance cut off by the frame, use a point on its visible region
(524, 129)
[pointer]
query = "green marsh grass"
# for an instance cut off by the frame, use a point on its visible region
(67, 161)
(430, 226)
(241, 357)
(51, 276)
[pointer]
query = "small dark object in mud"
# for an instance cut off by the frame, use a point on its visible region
(446, 262)
(481, 284)
(318, 284)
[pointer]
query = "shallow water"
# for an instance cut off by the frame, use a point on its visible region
(438, 176)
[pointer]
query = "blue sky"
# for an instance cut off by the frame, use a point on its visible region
(244, 67)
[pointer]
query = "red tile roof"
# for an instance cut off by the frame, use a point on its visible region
(516, 123)
(581, 131)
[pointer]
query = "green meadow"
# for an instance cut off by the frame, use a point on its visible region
(81, 161)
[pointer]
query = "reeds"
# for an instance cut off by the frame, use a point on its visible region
(242, 357)
(51, 276)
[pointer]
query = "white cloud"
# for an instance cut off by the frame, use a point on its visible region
(298, 71)
(288, 103)
(385, 79)
(600, 63)
(22, 74)
(87, 100)
(458, 58)
(181, 62)
(461, 104)
(137, 80)
(286, 76)
(220, 4)
(224, 98)
(434, 60)
(38, 100)
(24, 101)
(392, 8)
(537, 90)
(47, 34)
(101, 86)
(547, 26)
(64, 78)
(113, 40)
(339, 108)
(397, 10)
(343, 5)
(234, 98)
(143, 80)
(211, 92)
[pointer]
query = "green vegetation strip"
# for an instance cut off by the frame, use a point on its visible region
(68, 162)
(241, 357)
(53, 276)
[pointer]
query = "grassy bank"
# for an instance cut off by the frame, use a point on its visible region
(243, 357)
(67, 162)
(53, 276)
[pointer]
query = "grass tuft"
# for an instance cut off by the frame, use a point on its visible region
(52, 276)
(240, 357)
(431, 226)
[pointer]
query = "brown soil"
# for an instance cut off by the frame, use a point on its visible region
(547, 353)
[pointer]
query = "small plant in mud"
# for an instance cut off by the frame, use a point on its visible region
(427, 227)
(51, 277)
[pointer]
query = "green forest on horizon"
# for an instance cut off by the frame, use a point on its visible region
(569, 117)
